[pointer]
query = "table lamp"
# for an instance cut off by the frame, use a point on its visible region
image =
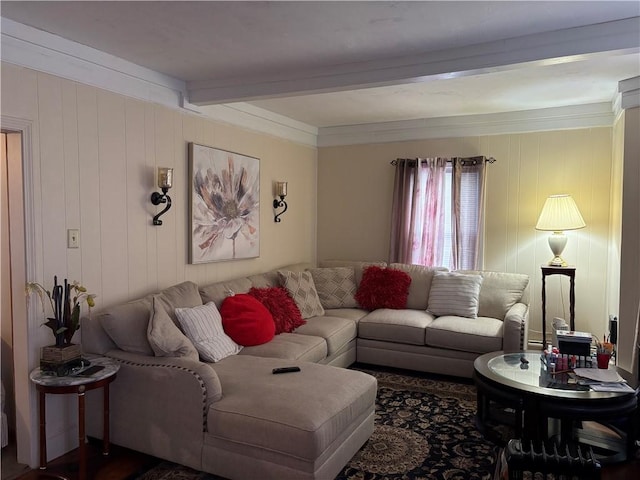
(559, 213)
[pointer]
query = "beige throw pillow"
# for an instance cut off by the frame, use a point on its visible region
(302, 289)
(455, 294)
(203, 326)
(500, 291)
(335, 286)
(165, 337)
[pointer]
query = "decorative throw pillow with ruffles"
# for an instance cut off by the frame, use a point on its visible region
(286, 314)
(383, 288)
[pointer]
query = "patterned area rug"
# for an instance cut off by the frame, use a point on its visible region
(424, 429)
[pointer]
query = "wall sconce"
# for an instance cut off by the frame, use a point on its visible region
(281, 191)
(165, 179)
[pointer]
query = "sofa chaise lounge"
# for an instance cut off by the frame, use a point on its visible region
(234, 418)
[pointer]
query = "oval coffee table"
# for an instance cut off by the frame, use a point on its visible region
(536, 396)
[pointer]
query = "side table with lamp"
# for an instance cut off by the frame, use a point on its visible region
(559, 213)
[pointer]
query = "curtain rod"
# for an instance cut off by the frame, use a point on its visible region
(472, 160)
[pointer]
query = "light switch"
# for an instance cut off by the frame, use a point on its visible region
(73, 238)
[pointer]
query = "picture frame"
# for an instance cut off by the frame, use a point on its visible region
(224, 206)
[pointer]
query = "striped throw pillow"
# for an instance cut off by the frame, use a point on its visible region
(203, 326)
(454, 294)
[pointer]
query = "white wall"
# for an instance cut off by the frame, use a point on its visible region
(93, 168)
(630, 242)
(529, 167)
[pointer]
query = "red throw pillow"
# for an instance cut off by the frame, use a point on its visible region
(286, 314)
(246, 320)
(383, 288)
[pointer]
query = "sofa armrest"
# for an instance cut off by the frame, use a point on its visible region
(516, 328)
(158, 405)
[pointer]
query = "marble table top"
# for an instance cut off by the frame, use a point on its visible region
(39, 377)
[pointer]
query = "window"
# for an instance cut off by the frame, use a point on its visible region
(437, 212)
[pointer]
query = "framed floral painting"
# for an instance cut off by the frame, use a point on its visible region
(225, 205)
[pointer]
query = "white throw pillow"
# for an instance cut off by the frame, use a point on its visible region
(455, 294)
(203, 326)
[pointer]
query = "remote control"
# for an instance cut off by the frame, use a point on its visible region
(90, 371)
(285, 370)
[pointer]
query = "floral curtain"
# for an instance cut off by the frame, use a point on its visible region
(437, 212)
(417, 231)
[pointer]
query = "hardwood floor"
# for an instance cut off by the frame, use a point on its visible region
(120, 464)
(124, 464)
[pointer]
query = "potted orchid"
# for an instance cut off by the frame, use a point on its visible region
(65, 301)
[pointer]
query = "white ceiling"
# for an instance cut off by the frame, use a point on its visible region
(348, 63)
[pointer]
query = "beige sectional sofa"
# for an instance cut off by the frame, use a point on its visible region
(234, 418)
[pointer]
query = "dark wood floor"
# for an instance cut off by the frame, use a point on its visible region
(120, 464)
(124, 464)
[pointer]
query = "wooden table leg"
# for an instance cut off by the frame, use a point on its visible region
(43, 430)
(105, 420)
(82, 473)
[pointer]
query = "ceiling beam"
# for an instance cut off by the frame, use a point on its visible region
(569, 45)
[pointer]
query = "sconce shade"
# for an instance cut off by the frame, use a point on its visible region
(559, 213)
(281, 189)
(165, 177)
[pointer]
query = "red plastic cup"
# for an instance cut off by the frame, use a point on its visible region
(603, 359)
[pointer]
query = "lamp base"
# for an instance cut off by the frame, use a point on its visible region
(557, 262)
(557, 242)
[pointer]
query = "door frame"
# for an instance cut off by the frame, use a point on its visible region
(23, 252)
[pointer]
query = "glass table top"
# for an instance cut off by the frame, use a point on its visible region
(527, 371)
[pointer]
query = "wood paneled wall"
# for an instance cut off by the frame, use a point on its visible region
(530, 167)
(95, 155)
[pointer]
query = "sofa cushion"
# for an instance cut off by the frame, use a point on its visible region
(246, 320)
(203, 326)
(354, 314)
(182, 295)
(358, 267)
(303, 291)
(127, 325)
(165, 337)
(286, 314)
(454, 293)
(217, 292)
(499, 292)
(383, 288)
(421, 277)
(401, 326)
(291, 346)
(479, 335)
(336, 286)
(337, 332)
(264, 280)
(295, 415)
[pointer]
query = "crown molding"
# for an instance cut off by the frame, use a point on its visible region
(263, 121)
(41, 51)
(557, 118)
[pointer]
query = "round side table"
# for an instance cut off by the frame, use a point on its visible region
(78, 384)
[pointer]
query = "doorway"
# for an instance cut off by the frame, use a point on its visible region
(16, 135)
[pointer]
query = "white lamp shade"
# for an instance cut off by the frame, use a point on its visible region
(560, 213)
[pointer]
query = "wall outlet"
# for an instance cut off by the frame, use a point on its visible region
(73, 238)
